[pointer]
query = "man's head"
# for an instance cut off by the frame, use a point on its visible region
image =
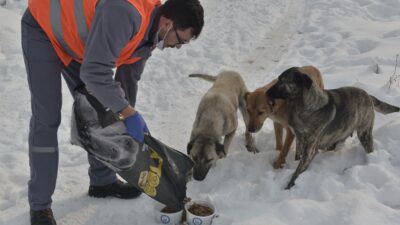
(180, 22)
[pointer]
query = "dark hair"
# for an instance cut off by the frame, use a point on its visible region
(185, 14)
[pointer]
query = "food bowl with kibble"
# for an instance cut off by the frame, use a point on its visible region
(200, 212)
(168, 215)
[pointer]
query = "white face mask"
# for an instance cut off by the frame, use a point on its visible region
(160, 43)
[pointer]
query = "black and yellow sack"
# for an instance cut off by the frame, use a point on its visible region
(158, 170)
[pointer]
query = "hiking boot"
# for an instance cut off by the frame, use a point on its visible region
(117, 189)
(42, 217)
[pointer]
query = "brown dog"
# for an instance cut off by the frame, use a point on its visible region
(260, 107)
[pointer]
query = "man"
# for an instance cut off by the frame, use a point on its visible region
(84, 40)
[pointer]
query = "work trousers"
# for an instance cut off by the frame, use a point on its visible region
(44, 69)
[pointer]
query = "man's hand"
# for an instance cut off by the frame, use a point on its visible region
(136, 127)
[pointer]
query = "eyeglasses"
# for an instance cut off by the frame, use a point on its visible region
(180, 42)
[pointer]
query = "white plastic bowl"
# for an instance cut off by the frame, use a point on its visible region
(192, 219)
(167, 218)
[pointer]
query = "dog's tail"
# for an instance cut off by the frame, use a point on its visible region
(383, 107)
(204, 76)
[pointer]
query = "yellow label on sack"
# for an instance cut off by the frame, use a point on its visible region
(149, 180)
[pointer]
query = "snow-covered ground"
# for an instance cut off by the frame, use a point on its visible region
(346, 39)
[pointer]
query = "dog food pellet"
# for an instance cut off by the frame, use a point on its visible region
(200, 210)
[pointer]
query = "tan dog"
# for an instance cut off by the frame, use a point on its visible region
(217, 120)
(260, 107)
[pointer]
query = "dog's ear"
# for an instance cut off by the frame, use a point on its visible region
(246, 95)
(219, 148)
(303, 80)
(290, 70)
(273, 92)
(189, 147)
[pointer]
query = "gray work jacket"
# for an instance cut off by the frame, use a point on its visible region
(115, 22)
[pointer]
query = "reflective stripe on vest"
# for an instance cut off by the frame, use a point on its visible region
(67, 24)
(80, 20)
(55, 20)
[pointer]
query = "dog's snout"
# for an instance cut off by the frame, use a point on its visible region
(200, 172)
(251, 129)
(254, 130)
(255, 126)
(199, 176)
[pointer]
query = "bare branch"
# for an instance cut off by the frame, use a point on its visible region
(395, 76)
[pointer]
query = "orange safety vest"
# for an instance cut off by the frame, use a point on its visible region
(67, 24)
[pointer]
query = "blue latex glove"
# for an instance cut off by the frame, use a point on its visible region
(136, 127)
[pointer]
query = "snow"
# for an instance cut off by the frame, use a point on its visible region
(346, 39)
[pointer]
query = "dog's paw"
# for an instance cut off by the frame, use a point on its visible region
(221, 155)
(290, 185)
(279, 164)
(251, 148)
